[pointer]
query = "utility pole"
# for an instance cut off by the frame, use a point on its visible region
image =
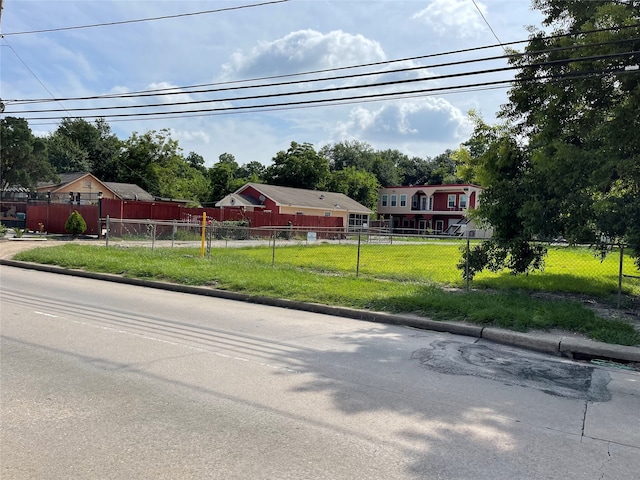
(1, 7)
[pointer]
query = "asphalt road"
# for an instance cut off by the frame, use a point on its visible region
(109, 381)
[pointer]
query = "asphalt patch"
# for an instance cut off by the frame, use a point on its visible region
(513, 366)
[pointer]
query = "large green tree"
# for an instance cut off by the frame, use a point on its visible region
(347, 153)
(154, 161)
(299, 167)
(23, 157)
(78, 145)
(360, 185)
(574, 105)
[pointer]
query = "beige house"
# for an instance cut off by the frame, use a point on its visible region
(85, 189)
(297, 201)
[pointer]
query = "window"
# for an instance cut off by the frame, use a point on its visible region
(414, 202)
(463, 201)
(451, 201)
(299, 213)
(327, 214)
(384, 200)
(403, 200)
(358, 221)
(394, 200)
(430, 203)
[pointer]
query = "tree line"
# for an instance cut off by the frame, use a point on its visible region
(156, 162)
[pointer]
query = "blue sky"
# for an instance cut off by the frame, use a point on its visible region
(283, 38)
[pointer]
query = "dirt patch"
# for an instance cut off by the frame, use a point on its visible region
(10, 246)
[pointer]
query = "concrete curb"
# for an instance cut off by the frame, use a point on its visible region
(540, 342)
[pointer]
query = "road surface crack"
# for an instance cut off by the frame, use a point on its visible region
(601, 469)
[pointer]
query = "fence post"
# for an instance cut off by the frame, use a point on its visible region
(466, 262)
(273, 252)
(153, 236)
(358, 260)
(108, 227)
(204, 226)
(620, 276)
(174, 227)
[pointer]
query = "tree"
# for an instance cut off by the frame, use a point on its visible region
(65, 155)
(357, 184)
(195, 160)
(385, 167)
(154, 161)
(251, 172)
(23, 157)
(228, 159)
(100, 146)
(576, 173)
(223, 181)
(415, 171)
(502, 166)
(443, 169)
(75, 224)
(345, 154)
(300, 167)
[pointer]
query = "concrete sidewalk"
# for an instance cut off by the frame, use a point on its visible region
(562, 344)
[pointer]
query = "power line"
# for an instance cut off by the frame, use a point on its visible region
(388, 95)
(341, 88)
(140, 20)
(488, 25)
(188, 89)
(34, 75)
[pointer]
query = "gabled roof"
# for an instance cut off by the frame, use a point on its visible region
(237, 200)
(129, 191)
(298, 197)
(124, 191)
(65, 179)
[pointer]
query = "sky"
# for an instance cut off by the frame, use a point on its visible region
(400, 96)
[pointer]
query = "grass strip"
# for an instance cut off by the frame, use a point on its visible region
(230, 269)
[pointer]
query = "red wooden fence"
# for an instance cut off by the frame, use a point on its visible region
(53, 216)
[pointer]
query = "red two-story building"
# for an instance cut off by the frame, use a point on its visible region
(430, 209)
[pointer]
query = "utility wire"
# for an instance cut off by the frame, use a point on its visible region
(34, 75)
(140, 20)
(342, 88)
(488, 25)
(175, 91)
(387, 95)
(172, 90)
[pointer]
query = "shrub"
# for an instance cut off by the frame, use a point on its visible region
(75, 224)
(19, 232)
(3, 230)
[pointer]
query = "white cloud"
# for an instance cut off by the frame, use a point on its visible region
(458, 17)
(303, 50)
(196, 136)
(415, 121)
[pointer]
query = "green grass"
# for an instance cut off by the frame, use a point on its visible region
(250, 271)
(568, 270)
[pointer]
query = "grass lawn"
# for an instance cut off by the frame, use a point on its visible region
(249, 270)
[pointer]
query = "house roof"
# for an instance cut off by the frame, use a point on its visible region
(129, 191)
(237, 200)
(298, 197)
(65, 179)
(125, 191)
(443, 186)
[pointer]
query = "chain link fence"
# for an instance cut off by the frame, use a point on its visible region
(377, 253)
